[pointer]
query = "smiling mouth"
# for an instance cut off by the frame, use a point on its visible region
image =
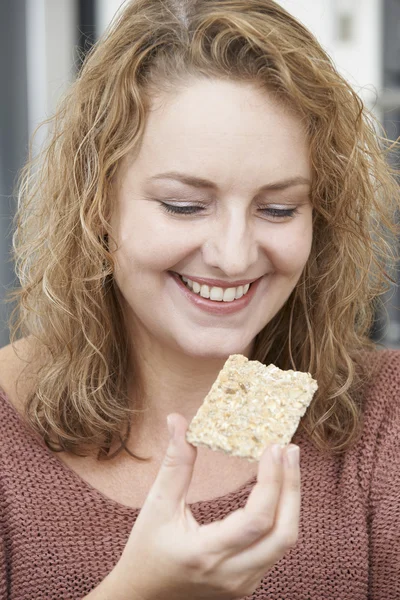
(216, 293)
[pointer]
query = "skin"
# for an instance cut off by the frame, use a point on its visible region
(240, 138)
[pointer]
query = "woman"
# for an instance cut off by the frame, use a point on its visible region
(212, 186)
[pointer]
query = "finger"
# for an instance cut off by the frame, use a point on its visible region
(268, 550)
(171, 485)
(243, 527)
(263, 499)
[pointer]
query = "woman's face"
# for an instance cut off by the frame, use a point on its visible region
(233, 209)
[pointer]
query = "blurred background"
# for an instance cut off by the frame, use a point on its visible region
(42, 43)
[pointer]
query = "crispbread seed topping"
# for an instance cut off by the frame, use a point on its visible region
(249, 406)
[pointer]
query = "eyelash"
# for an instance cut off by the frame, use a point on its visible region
(276, 213)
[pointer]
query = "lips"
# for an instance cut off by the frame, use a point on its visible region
(212, 307)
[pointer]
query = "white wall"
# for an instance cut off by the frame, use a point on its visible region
(359, 57)
(105, 11)
(51, 34)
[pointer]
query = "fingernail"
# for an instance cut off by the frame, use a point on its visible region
(293, 456)
(171, 427)
(277, 453)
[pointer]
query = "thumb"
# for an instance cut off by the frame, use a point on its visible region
(173, 479)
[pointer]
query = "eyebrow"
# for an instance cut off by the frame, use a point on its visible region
(199, 182)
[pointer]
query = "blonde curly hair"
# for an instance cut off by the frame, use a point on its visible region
(67, 300)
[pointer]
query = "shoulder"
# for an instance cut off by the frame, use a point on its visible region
(381, 398)
(383, 367)
(19, 364)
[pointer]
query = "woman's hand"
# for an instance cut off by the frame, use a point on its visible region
(170, 556)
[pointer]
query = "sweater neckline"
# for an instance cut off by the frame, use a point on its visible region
(79, 485)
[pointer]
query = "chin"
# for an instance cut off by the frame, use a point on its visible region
(218, 350)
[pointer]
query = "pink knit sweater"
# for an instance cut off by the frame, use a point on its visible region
(59, 537)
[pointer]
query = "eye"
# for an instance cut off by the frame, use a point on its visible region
(182, 209)
(280, 213)
(191, 209)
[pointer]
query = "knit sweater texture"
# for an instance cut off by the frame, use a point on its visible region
(59, 536)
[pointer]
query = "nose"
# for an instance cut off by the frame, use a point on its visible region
(231, 246)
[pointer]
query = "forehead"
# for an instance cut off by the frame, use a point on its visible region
(226, 131)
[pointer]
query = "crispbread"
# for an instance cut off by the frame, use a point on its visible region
(250, 406)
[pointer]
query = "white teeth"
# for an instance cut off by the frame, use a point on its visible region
(205, 291)
(239, 292)
(216, 293)
(229, 295)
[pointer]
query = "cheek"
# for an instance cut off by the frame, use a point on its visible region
(155, 247)
(289, 251)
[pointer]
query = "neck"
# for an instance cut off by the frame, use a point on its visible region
(172, 382)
